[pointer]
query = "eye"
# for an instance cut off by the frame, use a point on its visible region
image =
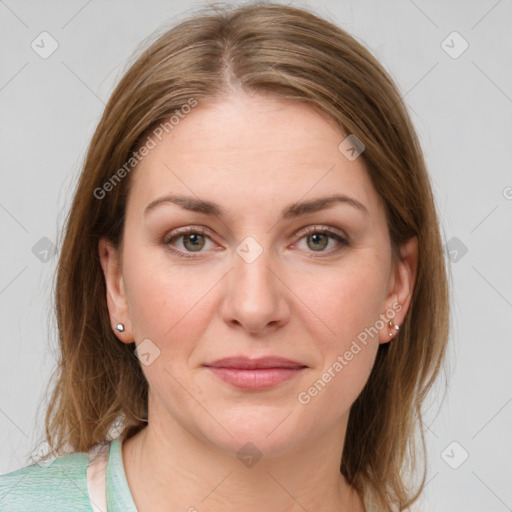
(193, 241)
(317, 239)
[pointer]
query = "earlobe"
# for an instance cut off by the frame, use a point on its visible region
(400, 294)
(115, 292)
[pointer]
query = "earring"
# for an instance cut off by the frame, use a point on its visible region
(393, 326)
(119, 327)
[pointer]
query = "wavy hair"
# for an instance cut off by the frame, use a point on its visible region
(288, 53)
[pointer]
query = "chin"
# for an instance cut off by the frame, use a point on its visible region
(268, 435)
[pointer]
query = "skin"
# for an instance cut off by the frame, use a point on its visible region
(299, 299)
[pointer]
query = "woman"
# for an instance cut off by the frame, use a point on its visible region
(251, 295)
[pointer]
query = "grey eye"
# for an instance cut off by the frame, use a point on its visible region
(193, 242)
(319, 240)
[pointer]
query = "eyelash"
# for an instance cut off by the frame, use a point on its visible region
(201, 231)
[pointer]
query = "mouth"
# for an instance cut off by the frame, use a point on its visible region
(255, 374)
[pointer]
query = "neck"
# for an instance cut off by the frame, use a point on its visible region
(168, 468)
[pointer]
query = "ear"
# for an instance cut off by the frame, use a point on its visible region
(116, 298)
(401, 288)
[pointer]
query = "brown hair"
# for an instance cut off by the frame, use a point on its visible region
(292, 54)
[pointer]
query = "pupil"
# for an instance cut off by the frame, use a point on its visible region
(316, 238)
(193, 240)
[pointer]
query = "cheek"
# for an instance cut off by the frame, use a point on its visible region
(345, 302)
(168, 304)
(344, 327)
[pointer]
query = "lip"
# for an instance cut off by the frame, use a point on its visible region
(246, 363)
(255, 374)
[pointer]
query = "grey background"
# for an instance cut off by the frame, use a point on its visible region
(461, 108)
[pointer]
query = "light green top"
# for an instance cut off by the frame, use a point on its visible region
(62, 485)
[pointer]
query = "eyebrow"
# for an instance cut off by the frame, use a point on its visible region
(291, 211)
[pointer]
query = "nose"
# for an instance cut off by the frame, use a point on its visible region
(255, 295)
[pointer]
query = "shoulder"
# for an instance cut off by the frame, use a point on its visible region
(55, 486)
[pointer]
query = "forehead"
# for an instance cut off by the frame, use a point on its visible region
(251, 151)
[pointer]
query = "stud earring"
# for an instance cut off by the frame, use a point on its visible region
(119, 327)
(393, 326)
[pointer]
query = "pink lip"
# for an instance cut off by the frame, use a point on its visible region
(246, 363)
(255, 374)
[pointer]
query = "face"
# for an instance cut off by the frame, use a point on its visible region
(262, 276)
